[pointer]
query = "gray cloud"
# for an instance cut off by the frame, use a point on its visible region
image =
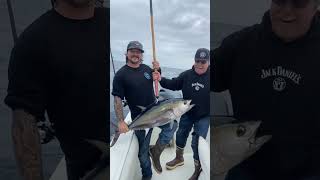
(181, 27)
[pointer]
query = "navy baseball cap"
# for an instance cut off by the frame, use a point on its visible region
(135, 45)
(202, 54)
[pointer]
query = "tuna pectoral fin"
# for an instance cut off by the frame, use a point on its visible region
(148, 133)
(115, 138)
(173, 125)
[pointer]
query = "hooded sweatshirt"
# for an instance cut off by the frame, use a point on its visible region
(277, 83)
(194, 87)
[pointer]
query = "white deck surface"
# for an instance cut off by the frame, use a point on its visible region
(124, 164)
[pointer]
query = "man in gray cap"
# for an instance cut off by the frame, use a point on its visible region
(134, 83)
(195, 85)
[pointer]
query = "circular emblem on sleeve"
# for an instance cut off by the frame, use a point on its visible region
(147, 76)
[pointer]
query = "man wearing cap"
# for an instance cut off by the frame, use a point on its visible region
(134, 83)
(195, 85)
(271, 70)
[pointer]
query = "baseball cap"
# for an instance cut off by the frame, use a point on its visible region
(135, 45)
(202, 54)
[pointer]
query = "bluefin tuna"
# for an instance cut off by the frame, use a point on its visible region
(159, 114)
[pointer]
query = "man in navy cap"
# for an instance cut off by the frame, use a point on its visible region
(195, 85)
(134, 83)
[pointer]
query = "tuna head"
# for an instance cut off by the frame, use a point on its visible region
(233, 143)
(182, 106)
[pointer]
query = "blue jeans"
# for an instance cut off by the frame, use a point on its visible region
(167, 132)
(165, 136)
(200, 128)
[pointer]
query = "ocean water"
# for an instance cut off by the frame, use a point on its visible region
(166, 72)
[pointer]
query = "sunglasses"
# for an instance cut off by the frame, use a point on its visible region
(295, 3)
(201, 61)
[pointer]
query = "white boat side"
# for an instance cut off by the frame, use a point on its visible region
(124, 163)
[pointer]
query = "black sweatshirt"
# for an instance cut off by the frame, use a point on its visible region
(277, 83)
(59, 65)
(195, 87)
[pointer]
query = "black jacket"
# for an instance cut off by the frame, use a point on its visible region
(195, 87)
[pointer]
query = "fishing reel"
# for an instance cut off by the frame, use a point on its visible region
(46, 131)
(124, 103)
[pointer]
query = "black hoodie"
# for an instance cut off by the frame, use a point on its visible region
(195, 87)
(278, 83)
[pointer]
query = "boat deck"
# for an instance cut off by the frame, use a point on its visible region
(124, 163)
(181, 172)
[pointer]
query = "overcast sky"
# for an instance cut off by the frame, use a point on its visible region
(181, 27)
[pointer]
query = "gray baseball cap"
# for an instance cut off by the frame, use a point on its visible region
(202, 54)
(135, 45)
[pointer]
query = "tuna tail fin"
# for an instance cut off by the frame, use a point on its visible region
(115, 138)
(174, 125)
(171, 124)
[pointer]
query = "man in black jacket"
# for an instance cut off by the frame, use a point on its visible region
(271, 72)
(195, 85)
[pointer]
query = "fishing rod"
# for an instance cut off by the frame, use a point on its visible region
(114, 71)
(125, 103)
(156, 83)
(12, 22)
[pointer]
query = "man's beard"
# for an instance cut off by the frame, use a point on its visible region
(134, 62)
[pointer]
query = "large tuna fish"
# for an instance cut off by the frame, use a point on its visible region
(158, 114)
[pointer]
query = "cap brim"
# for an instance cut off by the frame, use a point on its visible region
(202, 59)
(137, 49)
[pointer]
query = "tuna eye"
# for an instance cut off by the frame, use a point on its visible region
(241, 131)
(185, 102)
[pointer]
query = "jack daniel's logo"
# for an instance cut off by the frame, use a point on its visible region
(279, 73)
(197, 86)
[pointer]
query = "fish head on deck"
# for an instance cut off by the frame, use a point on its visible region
(181, 106)
(234, 143)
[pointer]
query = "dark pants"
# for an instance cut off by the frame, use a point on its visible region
(144, 141)
(80, 157)
(200, 128)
